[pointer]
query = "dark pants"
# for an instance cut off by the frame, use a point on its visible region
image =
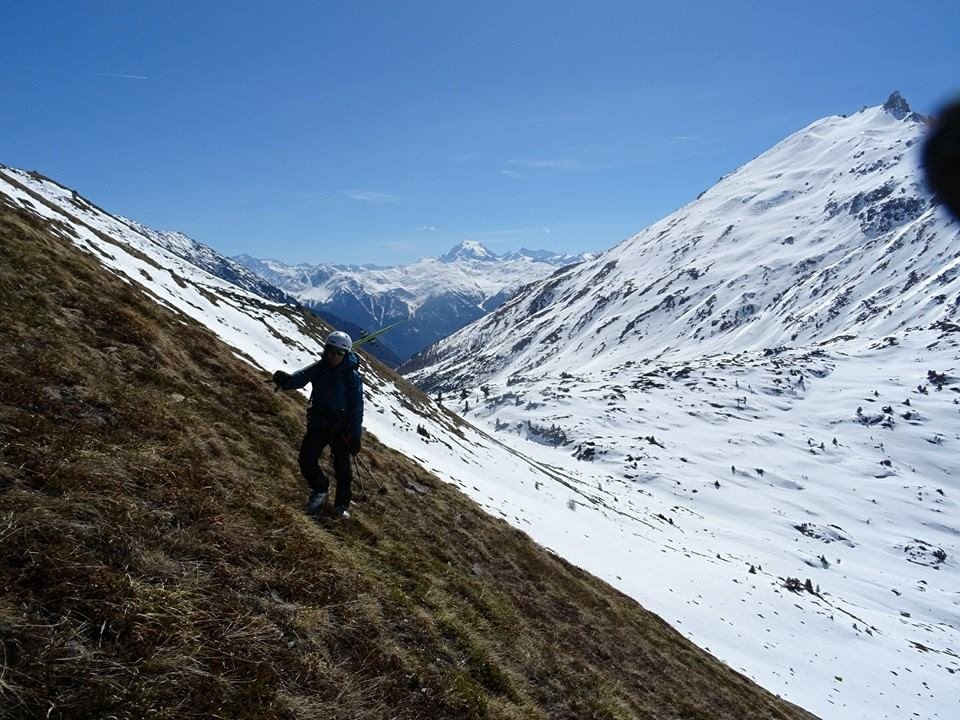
(311, 448)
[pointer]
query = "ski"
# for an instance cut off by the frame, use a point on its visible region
(367, 337)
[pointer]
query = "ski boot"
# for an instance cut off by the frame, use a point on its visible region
(315, 502)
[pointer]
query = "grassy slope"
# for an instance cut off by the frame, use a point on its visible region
(154, 560)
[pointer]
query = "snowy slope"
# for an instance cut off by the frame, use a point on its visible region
(439, 295)
(213, 262)
(767, 378)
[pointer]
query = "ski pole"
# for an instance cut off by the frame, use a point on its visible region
(380, 488)
(360, 479)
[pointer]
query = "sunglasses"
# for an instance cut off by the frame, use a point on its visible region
(336, 352)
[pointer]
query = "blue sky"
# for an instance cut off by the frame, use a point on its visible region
(381, 132)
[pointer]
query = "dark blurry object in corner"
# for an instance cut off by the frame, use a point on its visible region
(941, 157)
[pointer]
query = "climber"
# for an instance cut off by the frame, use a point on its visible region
(334, 418)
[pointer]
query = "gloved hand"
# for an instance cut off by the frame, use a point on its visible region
(279, 378)
(354, 446)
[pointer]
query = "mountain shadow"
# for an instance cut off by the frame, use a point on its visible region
(155, 560)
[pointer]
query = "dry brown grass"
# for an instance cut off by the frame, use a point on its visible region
(156, 563)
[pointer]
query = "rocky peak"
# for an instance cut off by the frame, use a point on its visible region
(897, 106)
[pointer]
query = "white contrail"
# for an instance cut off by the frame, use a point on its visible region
(369, 196)
(123, 76)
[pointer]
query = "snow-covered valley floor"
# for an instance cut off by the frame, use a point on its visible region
(713, 490)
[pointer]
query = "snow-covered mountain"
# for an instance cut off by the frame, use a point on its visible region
(761, 393)
(438, 295)
(828, 233)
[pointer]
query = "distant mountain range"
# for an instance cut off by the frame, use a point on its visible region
(436, 296)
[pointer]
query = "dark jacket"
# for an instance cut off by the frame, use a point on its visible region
(336, 398)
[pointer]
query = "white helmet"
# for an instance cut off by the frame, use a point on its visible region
(339, 340)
